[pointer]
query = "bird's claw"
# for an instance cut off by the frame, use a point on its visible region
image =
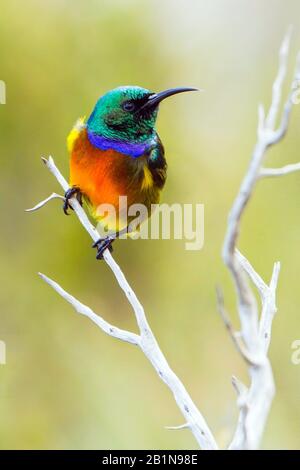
(102, 244)
(68, 195)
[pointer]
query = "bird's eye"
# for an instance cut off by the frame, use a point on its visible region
(128, 106)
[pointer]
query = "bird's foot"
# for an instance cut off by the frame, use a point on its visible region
(68, 195)
(102, 244)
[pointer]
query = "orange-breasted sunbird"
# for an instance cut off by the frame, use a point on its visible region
(117, 152)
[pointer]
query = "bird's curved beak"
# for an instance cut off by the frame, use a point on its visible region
(155, 98)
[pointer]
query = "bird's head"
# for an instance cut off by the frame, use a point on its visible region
(128, 113)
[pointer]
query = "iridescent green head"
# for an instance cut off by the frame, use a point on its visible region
(128, 113)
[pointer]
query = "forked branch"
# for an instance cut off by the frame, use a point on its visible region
(255, 329)
(194, 420)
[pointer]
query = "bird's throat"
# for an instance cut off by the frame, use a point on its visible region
(132, 149)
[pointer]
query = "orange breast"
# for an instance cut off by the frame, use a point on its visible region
(99, 174)
(103, 176)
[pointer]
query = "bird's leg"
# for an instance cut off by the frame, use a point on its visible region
(68, 195)
(103, 243)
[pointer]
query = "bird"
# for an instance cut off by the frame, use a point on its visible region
(118, 152)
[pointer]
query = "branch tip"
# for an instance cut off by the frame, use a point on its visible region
(45, 201)
(239, 387)
(177, 428)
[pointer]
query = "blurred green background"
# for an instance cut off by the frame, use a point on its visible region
(66, 384)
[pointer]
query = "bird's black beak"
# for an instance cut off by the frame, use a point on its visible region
(155, 98)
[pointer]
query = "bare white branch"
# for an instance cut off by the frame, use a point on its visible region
(285, 170)
(240, 436)
(261, 120)
(44, 202)
(235, 336)
(279, 81)
(176, 428)
(253, 275)
(269, 309)
(146, 340)
(88, 312)
(255, 402)
(239, 387)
